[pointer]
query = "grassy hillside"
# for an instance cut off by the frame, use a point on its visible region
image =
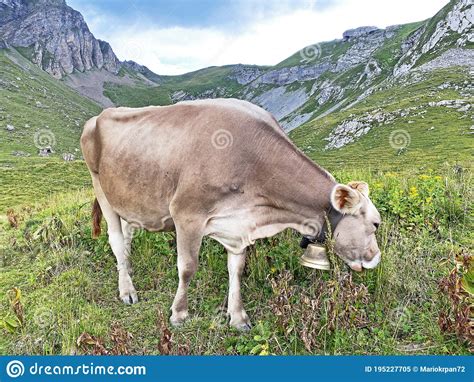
(58, 292)
(193, 83)
(43, 112)
(434, 134)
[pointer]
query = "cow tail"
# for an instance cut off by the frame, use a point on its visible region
(96, 219)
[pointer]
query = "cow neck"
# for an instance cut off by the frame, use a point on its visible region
(301, 191)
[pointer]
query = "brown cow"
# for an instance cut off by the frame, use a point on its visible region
(221, 168)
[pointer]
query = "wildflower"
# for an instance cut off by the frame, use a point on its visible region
(413, 192)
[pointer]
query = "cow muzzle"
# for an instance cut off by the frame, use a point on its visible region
(372, 263)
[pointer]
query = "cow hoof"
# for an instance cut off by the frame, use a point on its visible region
(244, 327)
(178, 319)
(129, 297)
(240, 321)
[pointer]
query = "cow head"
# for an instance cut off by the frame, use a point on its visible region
(354, 235)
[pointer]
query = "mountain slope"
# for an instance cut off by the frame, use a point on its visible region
(212, 82)
(320, 85)
(56, 38)
(421, 120)
(328, 76)
(37, 112)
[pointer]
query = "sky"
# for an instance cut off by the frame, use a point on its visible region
(179, 36)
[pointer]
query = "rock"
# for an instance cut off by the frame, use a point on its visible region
(357, 32)
(68, 157)
(450, 58)
(10, 127)
(45, 152)
(20, 154)
(361, 51)
(245, 74)
(457, 24)
(281, 102)
(325, 91)
(38, 104)
(346, 133)
(298, 120)
(285, 76)
(58, 35)
(147, 73)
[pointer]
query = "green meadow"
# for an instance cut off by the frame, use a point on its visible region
(58, 286)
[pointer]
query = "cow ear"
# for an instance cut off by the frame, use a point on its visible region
(345, 199)
(362, 187)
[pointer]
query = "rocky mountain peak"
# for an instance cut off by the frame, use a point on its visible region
(54, 36)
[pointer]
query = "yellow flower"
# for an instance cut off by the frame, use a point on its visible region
(424, 177)
(265, 350)
(437, 177)
(413, 192)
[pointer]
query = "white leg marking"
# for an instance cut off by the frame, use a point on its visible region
(238, 316)
(188, 242)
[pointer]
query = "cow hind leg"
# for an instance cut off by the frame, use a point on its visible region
(188, 242)
(127, 291)
(238, 317)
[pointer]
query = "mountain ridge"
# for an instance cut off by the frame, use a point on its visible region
(329, 76)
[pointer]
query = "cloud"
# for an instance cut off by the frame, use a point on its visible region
(265, 36)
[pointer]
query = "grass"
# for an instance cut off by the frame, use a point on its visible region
(29, 179)
(68, 282)
(33, 101)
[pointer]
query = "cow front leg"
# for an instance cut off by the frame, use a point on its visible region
(236, 311)
(188, 243)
